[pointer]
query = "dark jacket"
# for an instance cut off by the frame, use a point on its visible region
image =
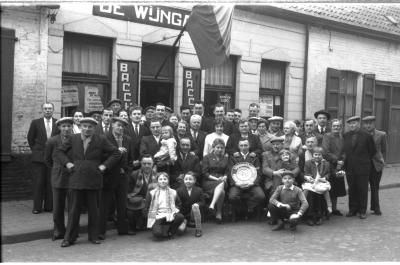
(310, 169)
(130, 131)
(149, 145)
(85, 174)
(199, 141)
(196, 196)
(37, 138)
(191, 163)
(254, 141)
(59, 174)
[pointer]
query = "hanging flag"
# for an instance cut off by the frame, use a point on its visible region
(209, 28)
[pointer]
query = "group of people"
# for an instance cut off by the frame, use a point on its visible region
(155, 169)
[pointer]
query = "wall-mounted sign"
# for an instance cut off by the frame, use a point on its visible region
(266, 106)
(69, 96)
(191, 86)
(92, 99)
(161, 16)
(128, 78)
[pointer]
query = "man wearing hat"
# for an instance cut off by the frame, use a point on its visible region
(359, 150)
(322, 118)
(115, 105)
(149, 112)
(253, 122)
(87, 156)
(114, 182)
(274, 129)
(96, 114)
(378, 161)
(161, 115)
(59, 175)
(168, 112)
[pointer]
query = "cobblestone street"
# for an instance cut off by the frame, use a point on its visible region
(339, 239)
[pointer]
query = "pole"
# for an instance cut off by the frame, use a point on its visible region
(173, 48)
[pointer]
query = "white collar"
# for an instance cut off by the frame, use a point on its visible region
(290, 188)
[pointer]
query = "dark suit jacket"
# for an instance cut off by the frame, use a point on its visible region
(132, 179)
(196, 196)
(254, 141)
(358, 158)
(207, 124)
(85, 174)
(381, 146)
(199, 141)
(233, 160)
(191, 163)
(59, 174)
(149, 145)
(37, 138)
(99, 128)
(320, 135)
(310, 169)
(113, 176)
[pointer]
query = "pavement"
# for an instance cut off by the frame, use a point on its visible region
(18, 224)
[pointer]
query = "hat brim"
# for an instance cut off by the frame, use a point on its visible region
(327, 114)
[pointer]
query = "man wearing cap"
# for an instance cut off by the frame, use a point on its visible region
(87, 156)
(359, 150)
(161, 115)
(115, 105)
(149, 113)
(322, 118)
(114, 182)
(96, 114)
(39, 132)
(274, 129)
(378, 161)
(168, 112)
(59, 175)
(104, 127)
(253, 122)
(254, 141)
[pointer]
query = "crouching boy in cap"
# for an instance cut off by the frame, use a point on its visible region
(288, 201)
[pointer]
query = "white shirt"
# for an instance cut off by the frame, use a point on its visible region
(50, 124)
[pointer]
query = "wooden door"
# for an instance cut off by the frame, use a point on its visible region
(393, 132)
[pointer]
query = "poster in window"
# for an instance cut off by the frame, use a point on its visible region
(92, 99)
(266, 106)
(69, 96)
(225, 99)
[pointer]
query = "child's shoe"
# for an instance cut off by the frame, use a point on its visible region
(198, 233)
(278, 226)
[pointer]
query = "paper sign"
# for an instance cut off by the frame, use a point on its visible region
(266, 106)
(92, 99)
(69, 96)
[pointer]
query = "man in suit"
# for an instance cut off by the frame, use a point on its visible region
(255, 195)
(309, 128)
(115, 181)
(87, 165)
(186, 162)
(136, 131)
(378, 161)
(59, 175)
(115, 105)
(161, 115)
(254, 141)
(39, 132)
(205, 124)
(196, 135)
(322, 118)
(150, 144)
(185, 113)
(104, 127)
(254, 110)
(359, 150)
(219, 117)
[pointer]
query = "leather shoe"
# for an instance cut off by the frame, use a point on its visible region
(278, 226)
(55, 237)
(363, 216)
(65, 244)
(95, 241)
(101, 237)
(350, 214)
(318, 221)
(198, 233)
(310, 222)
(337, 213)
(36, 211)
(377, 212)
(218, 220)
(191, 224)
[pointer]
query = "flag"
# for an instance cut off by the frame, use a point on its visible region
(209, 28)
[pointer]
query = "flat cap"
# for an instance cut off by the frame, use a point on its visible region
(148, 108)
(114, 100)
(324, 112)
(277, 139)
(254, 118)
(354, 118)
(65, 119)
(287, 173)
(115, 119)
(275, 118)
(89, 120)
(168, 109)
(368, 118)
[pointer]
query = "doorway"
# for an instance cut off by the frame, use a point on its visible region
(153, 92)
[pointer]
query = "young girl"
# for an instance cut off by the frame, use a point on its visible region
(167, 152)
(163, 205)
(288, 163)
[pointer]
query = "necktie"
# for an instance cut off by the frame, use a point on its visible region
(106, 129)
(85, 144)
(194, 135)
(137, 129)
(48, 128)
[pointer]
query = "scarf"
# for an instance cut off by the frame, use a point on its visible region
(153, 209)
(139, 183)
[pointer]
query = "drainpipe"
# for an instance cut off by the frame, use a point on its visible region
(305, 71)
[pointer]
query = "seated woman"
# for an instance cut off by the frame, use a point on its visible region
(316, 175)
(215, 174)
(292, 141)
(163, 206)
(209, 140)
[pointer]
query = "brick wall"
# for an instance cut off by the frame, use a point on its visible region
(347, 52)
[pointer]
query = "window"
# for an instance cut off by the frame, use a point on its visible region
(341, 93)
(86, 73)
(220, 85)
(272, 87)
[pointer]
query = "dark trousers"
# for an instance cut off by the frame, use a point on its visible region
(159, 224)
(107, 198)
(280, 213)
(59, 198)
(358, 192)
(76, 199)
(254, 196)
(374, 180)
(42, 194)
(316, 205)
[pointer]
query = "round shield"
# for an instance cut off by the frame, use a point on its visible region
(244, 173)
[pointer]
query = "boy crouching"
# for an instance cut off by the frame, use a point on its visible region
(288, 201)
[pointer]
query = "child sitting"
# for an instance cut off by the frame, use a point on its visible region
(288, 201)
(316, 175)
(163, 205)
(192, 199)
(288, 163)
(167, 153)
